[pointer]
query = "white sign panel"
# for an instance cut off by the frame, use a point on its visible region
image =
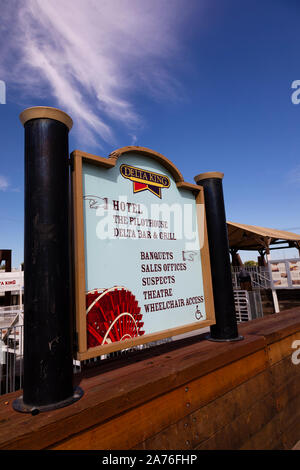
(11, 281)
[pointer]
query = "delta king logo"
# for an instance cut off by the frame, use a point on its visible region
(144, 179)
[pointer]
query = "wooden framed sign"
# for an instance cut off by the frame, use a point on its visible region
(142, 269)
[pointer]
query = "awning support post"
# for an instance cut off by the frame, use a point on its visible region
(274, 292)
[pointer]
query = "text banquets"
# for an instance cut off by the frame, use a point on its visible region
(163, 280)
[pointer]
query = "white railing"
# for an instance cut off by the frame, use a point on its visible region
(242, 308)
(10, 310)
(260, 277)
(11, 358)
(248, 305)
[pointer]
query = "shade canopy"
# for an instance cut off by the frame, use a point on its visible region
(251, 237)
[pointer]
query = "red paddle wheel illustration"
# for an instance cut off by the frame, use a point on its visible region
(112, 315)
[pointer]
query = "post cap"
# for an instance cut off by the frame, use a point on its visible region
(39, 112)
(209, 174)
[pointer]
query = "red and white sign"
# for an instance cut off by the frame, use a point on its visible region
(11, 281)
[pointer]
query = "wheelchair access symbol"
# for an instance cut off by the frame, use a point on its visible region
(198, 314)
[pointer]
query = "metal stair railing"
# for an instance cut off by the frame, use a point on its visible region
(259, 277)
(248, 305)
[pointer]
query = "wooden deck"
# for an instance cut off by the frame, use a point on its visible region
(189, 394)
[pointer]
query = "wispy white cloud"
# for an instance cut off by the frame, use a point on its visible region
(133, 139)
(293, 176)
(92, 55)
(4, 184)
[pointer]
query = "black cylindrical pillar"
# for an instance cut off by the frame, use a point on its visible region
(48, 367)
(225, 328)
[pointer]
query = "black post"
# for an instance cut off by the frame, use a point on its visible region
(225, 328)
(48, 367)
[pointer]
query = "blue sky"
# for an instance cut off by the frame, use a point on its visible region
(207, 83)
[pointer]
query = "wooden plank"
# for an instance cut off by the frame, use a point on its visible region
(127, 430)
(122, 391)
(79, 259)
(287, 393)
(157, 374)
(190, 186)
(205, 259)
(235, 434)
(182, 434)
(286, 388)
(100, 161)
(269, 437)
(118, 390)
(291, 436)
(291, 411)
(273, 327)
(281, 349)
(282, 371)
(208, 420)
(129, 343)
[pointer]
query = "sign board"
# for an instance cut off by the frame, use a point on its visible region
(11, 281)
(285, 274)
(142, 270)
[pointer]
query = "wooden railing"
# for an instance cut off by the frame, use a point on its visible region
(188, 394)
